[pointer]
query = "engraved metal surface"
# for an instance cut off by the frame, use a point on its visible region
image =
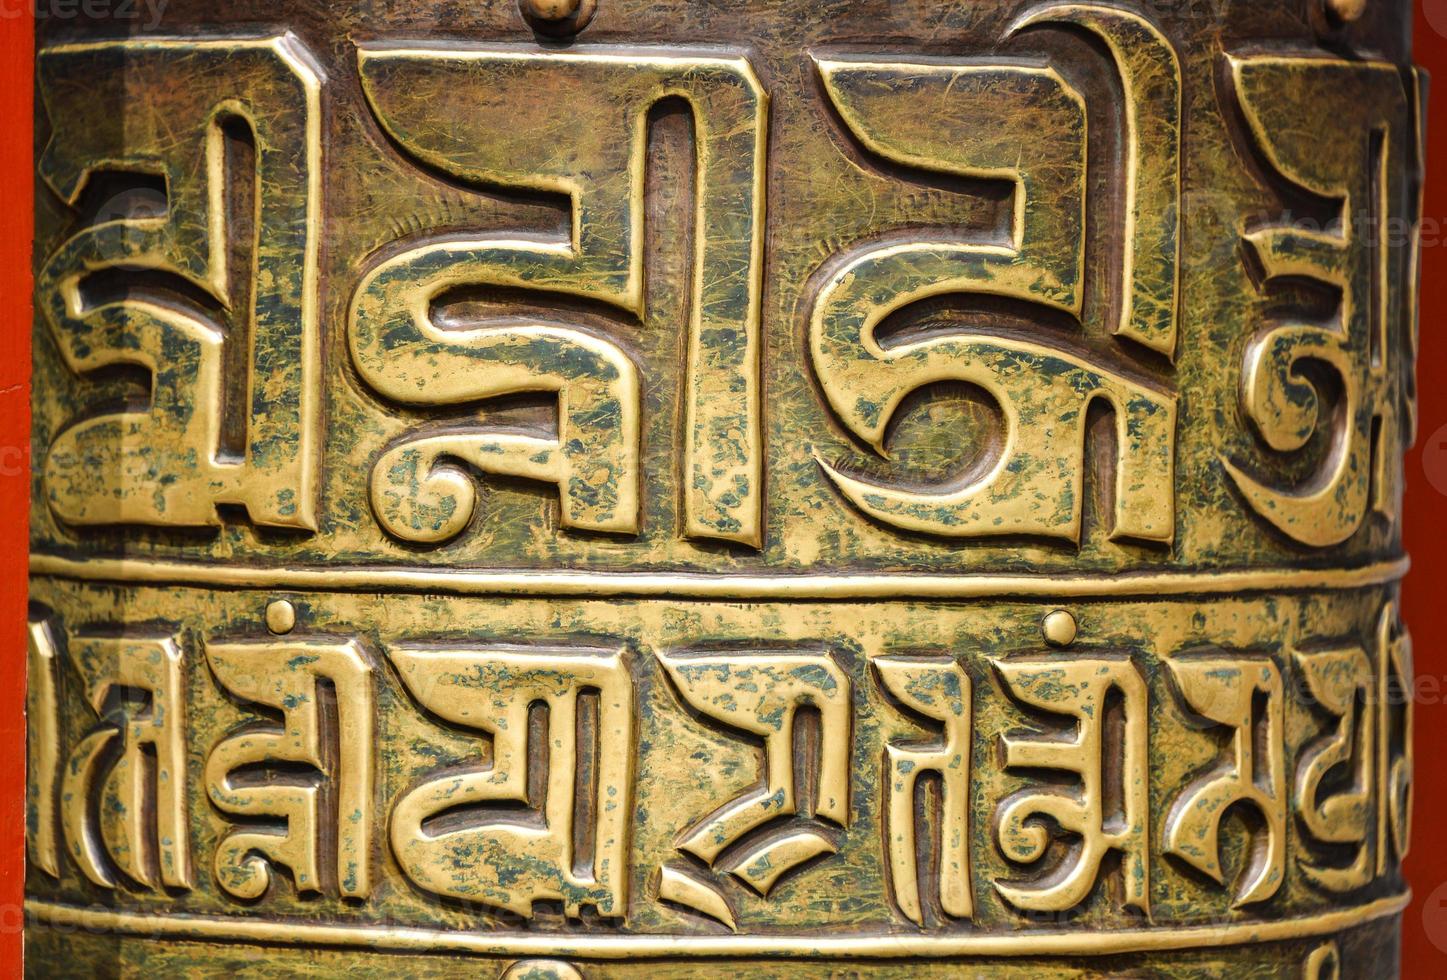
(575, 489)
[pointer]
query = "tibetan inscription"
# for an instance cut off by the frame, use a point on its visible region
(573, 488)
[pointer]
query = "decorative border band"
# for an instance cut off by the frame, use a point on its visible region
(415, 939)
(681, 585)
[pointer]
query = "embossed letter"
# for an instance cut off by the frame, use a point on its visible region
(1081, 689)
(171, 462)
(1374, 802)
(42, 715)
(762, 695)
(1002, 122)
(511, 863)
(472, 113)
(1341, 130)
(939, 690)
(1150, 76)
(150, 753)
(296, 678)
(1246, 697)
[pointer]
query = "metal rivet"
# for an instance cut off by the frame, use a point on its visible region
(1346, 11)
(558, 17)
(1059, 628)
(541, 970)
(280, 616)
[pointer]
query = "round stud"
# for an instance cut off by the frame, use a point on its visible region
(541, 970)
(550, 9)
(558, 18)
(280, 616)
(1059, 628)
(1345, 11)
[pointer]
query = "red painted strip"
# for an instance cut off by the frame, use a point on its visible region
(1424, 925)
(16, 225)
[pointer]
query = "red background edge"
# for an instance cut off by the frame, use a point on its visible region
(1424, 922)
(16, 224)
(1426, 919)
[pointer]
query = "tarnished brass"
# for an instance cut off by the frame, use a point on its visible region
(575, 488)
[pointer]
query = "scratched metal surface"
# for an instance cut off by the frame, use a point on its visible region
(796, 488)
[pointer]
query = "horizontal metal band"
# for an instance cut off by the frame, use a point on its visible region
(414, 939)
(682, 585)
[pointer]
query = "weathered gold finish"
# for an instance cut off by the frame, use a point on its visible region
(555, 488)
